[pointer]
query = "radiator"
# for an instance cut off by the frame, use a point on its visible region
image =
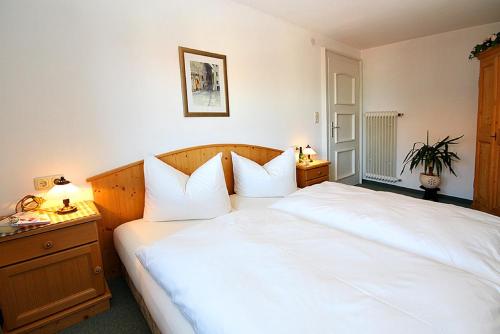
(381, 143)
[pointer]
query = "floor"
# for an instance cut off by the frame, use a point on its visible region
(413, 193)
(125, 317)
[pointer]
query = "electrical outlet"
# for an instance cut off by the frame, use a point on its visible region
(41, 183)
(44, 183)
(316, 117)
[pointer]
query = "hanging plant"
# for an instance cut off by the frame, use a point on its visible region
(489, 42)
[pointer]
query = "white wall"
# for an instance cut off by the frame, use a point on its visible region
(86, 86)
(433, 83)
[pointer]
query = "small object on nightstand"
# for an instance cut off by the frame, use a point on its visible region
(62, 190)
(430, 194)
(301, 155)
(29, 218)
(315, 172)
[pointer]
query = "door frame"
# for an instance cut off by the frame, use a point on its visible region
(325, 133)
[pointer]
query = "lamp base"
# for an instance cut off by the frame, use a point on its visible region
(67, 209)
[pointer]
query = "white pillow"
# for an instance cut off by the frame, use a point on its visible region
(274, 179)
(173, 195)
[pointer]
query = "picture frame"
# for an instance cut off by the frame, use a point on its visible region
(203, 83)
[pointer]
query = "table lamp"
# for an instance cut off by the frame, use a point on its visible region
(62, 190)
(309, 151)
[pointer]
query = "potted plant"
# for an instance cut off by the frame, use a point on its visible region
(434, 158)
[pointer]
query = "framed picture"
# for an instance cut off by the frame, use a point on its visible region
(204, 83)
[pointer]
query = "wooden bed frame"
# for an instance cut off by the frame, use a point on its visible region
(119, 193)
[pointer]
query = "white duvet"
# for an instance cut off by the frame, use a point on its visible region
(265, 271)
(459, 237)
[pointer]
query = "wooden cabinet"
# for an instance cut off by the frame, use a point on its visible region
(51, 277)
(313, 173)
(487, 172)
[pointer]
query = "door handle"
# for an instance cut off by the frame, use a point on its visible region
(334, 127)
(494, 136)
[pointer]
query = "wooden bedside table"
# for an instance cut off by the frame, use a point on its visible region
(51, 277)
(316, 172)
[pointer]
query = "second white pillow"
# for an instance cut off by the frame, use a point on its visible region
(275, 179)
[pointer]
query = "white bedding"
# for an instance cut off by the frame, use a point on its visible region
(130, 236)
(265, 271)
(459, 237)
(245, 203)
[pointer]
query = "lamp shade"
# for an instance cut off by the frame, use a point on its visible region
(62, 189)
(309, 151)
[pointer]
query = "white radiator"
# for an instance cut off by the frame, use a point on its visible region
(381, 143)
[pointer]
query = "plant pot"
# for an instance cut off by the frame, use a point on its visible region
(430, 181)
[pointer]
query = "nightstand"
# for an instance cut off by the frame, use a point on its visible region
(51, 277)
(315, 172)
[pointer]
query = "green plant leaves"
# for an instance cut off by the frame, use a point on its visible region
(490, 42)
(433, 157)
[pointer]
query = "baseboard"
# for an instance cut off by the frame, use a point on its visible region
(465, 202)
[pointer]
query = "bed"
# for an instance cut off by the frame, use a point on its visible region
(356, 282)
(119, 196)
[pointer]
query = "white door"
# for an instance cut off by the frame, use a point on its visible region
(343, 118)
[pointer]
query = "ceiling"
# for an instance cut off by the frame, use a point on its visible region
(369, 23)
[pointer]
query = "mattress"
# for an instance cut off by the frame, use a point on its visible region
(129, 237)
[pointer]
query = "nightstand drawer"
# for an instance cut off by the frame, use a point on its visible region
(46, 243)
(316, 181)
(316, 173)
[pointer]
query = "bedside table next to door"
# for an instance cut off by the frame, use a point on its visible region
(51, 277)
(315, 172)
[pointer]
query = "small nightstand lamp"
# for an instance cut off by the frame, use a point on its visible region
(309, 151)
(62, 190)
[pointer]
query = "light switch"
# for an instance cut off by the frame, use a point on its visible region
(316, 117)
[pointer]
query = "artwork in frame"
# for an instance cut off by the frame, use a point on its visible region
(204, 83)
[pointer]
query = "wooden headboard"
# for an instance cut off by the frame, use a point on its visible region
(119, 193)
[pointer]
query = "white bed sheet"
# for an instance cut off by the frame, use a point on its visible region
(241, 203)
(130, 236)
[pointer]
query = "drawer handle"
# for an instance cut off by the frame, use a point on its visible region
(48, 245)
(319, 172)
(97, 270)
